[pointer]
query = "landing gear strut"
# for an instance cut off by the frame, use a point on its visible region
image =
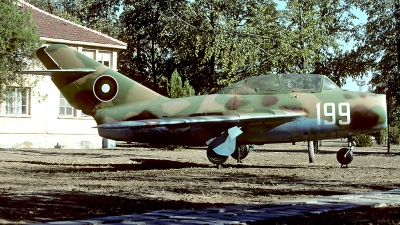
(345, 155)
(316, 146)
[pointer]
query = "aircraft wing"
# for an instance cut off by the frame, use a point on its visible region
(272, 117)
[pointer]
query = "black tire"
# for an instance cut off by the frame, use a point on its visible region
(244, 151)
(215, 158)
(342, 159)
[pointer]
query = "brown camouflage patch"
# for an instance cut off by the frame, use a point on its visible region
(235, 103)
(270, 100)
(363, 117)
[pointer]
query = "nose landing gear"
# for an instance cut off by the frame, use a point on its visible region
(345, 155)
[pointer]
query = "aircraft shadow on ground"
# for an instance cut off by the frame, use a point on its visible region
(144, 164)
(139, 164)
(165, 164)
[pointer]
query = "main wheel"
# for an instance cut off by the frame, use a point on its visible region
(215, 158)
(243, 151)
(342, 158)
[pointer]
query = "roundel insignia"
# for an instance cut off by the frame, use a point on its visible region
(105, 88)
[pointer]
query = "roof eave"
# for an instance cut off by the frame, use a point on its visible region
(91, 44)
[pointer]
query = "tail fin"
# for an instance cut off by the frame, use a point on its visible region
(87, 84)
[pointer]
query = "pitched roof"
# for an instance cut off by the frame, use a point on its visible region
(56, 29)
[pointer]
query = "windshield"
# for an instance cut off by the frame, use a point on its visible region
(329, 85)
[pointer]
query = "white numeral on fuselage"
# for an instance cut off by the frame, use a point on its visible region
(329, 110)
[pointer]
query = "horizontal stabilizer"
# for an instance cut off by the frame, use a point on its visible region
(62, 77)
(60, 72)
(275, 117)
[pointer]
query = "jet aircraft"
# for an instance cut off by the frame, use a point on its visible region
(274, 108)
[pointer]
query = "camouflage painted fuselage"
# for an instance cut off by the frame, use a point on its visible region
(366, 113)
(268, 109)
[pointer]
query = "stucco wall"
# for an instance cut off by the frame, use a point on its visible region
(44, 127)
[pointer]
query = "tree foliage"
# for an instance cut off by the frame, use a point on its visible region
(214, 43)
(378, 44)
(18, 42)
(149, 57)
(316, 32)
(218, 43)
(178, 90)
(175, 89)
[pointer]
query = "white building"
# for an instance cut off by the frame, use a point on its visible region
(27, 120)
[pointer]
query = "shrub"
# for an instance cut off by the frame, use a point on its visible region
(363, 140)
(394, 135)
(380, 136)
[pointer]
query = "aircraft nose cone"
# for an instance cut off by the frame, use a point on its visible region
(371, 114)
(381, 110)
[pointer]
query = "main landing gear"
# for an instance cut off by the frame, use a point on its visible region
(345, 155)
(215, 158)
(240, 153)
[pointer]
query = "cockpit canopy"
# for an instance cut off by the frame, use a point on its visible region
(281, 83)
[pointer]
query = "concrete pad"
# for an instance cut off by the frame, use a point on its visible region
(242, 214)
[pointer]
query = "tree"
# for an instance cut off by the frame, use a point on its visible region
(188, 88)
(148, 58)
(379, 44)
(315, 32)
(146, 54)
(176, 89)
(225, 41)
(217, 43)
(18, 43)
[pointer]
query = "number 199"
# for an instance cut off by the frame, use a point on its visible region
(329, 110)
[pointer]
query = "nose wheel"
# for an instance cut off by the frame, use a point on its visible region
(345, 155)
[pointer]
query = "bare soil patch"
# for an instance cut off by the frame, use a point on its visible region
(40, 185)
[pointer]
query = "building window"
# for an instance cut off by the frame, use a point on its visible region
(65, 108)
(17, 101)
(88, 53)
(104, 58)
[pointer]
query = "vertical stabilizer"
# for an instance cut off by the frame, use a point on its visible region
(87, 84)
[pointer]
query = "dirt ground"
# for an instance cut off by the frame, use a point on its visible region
(40, 185)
